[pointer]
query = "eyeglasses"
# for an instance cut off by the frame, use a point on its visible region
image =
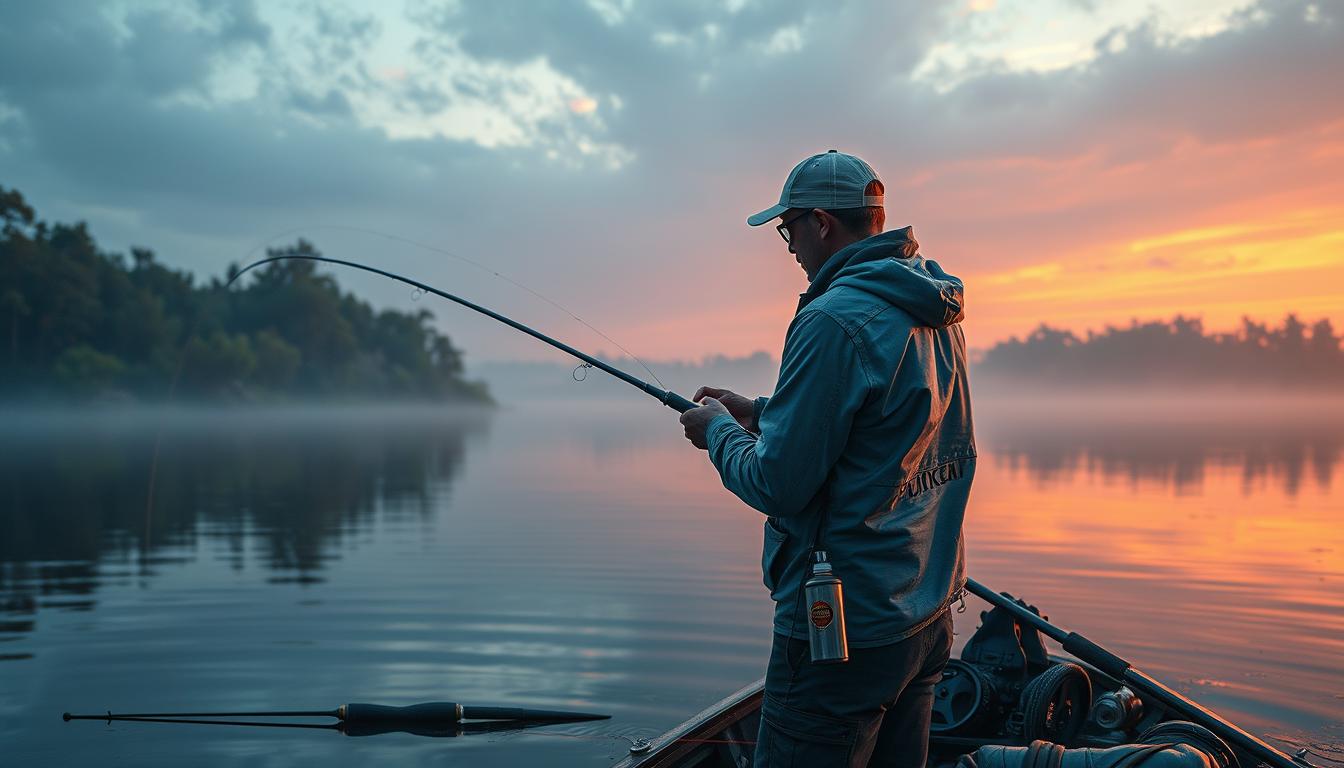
(783, 227)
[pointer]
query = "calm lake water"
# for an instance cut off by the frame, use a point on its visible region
(585, 557)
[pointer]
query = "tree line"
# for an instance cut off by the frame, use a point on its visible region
(1176, 353)
(78, 322)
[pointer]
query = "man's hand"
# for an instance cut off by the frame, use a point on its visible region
(740, 407)
(696, 421)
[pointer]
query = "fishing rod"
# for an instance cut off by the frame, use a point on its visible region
(670, 399)
(1120, 669)
(439, 718)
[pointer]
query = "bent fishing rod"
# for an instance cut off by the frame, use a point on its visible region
(670, 399)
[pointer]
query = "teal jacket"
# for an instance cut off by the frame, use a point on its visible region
(871, 416)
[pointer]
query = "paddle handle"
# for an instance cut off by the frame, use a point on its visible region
(432, 713)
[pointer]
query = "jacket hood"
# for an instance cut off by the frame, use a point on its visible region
(889, 266)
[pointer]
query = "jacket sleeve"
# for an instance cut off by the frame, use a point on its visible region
(803, 427)
(757, 406)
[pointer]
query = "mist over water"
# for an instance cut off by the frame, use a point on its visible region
(583, 556)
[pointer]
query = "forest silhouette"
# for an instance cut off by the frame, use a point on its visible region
(78, 322)
(1175, 354)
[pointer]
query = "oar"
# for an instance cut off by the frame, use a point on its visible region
(1120, 669)
(433, 716)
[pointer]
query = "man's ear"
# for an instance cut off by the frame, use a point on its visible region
(824, 224)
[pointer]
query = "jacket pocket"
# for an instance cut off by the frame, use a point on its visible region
(772, 564)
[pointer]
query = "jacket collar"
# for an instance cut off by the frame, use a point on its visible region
(899, 243)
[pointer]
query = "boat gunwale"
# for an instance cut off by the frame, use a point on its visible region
(713, 718)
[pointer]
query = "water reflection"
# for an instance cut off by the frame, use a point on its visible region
(1170, 446)
(1206, 544)
(584, 557)
(140, 490)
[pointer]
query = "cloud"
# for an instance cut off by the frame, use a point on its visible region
(560, 140)
(1156, 90)
(785, 40)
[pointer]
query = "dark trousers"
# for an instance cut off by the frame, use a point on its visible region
(872, 710)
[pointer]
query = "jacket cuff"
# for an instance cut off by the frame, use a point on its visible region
(757, 406)
(717, 430)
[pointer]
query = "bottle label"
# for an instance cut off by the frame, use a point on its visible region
(822, 614)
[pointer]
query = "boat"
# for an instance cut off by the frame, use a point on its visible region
(1006, 700)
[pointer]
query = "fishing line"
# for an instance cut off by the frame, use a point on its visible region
(666, 397)
(415, 295)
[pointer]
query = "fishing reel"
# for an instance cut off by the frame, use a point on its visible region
(1006, 685)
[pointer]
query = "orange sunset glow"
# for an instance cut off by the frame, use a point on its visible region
(1217, 231)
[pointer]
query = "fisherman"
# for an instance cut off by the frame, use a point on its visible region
(865, 450)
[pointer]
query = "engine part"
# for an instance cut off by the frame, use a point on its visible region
(1002, 642)
(1117, 710)
(1054, 706)
(961, 700)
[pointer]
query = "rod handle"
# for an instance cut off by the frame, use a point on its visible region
(432, 713)
(678, 403)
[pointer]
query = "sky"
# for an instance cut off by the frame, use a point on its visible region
(1076, 163)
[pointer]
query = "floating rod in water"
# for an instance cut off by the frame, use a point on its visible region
(670, 399)
(439, 718)
(436, 731)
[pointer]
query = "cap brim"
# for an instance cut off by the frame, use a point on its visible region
(766, 215)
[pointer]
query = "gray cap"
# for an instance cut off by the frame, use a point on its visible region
(830, 181)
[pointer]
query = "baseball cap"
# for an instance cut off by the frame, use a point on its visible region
(830, 180)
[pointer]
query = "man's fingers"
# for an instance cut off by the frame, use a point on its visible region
(707, 392)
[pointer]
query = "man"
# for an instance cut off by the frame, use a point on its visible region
(870, 424)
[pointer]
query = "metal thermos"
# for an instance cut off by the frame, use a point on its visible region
(825, 614)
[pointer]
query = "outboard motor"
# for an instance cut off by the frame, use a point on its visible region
(1173, 744)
